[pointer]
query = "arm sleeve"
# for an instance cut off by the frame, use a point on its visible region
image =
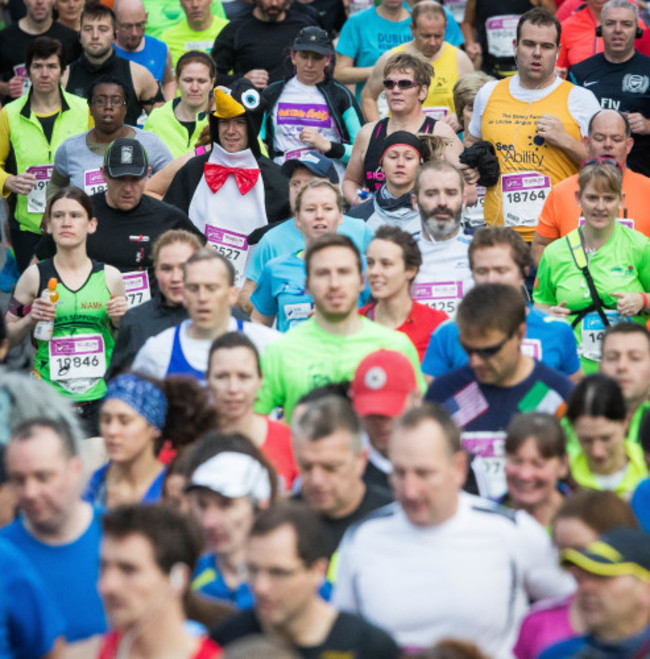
(5, 148)
(157, 151)
(440, 354)
(224, 54)
(344, 596)
(348, 43)
(480, 102)
(644, 266)
(271, 393)
(548, 222)
(354, 119)
(261, 255)
(570, 359)
(544, 289)
(34, 621)
(262, 298)
(151, 359)
(543, 577)
(583, 105)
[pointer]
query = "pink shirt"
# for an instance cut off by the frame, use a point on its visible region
(547, 623)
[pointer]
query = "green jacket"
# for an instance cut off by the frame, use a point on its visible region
(163, 122)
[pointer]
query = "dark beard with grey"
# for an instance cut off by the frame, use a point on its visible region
(438, 228)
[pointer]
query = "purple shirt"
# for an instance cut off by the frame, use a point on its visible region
(546, 624)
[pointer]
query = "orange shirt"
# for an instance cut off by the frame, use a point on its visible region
(561, 212)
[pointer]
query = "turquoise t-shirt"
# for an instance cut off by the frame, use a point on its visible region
(622, 264)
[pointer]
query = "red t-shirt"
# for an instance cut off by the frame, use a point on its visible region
(277, 448)
(207, 650)
(418, 326)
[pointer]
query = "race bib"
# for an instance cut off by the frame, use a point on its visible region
(501, 31)
(199, 45)
(21, 70)
(444, 296)
(532, 348)
(436, 112)
(473, 216)
(490, 461)
(523, 194)
(77, 362)
(625, 221)
(593, 331)
(136, 285)
(36, 199)
(298, 312)
(94, 181)
(234, 246)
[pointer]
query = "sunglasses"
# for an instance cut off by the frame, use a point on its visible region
(400, 84)
(601, 161)
(489, 351)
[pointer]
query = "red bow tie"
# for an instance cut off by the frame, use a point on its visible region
(216, 175)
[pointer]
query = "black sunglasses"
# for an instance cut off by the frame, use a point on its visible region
(489, 351)
(401, 84)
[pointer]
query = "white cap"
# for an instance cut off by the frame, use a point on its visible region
(233, 475)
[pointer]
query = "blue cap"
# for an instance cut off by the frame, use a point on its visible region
(315, 162)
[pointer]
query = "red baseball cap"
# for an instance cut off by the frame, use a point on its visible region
(382, 384)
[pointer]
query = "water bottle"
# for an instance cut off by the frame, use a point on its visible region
(44, 328)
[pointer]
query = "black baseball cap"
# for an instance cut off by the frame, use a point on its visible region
(314, 39)
(126, 157)
(315, 162)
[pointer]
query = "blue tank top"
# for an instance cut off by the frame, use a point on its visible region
(153, 56)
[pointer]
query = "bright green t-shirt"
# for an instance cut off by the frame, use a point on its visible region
(163, 14)
(622, 264)
(181, 38)
(307, 357)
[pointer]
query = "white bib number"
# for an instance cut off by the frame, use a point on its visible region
(136, 285)
(81, 357)
(21, 70)
(297, 312)
(437, 112)
(94, 181)
(444, 296)
(523, 194)
(234, 246)
(36, 199)
(593, 330)
(490, 461)
(532, 348)
(473, 216)
(501, 32)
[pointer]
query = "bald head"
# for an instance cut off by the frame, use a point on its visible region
(609, 136)
(131, 19)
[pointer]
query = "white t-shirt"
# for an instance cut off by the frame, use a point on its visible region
(582, 103)
(154, 356)
(469, 578)
(444, 277)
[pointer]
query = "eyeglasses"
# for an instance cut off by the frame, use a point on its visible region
(102, 101)
(601, 161)
(485, 353)
(400, 84)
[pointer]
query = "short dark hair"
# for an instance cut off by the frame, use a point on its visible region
(492, 306)
(624, 119)
(540, 16)
(543, 428)
(231, 340)
(627, 328)
(311, 542)
(410, 251)
(206, 254)
(69, 192)
(324, 416)
(44, 48)
(499, 235)
(94, 9)
(331, 240)
(438, 414)
(597, 395)
(27, 430)
(174, 538)
(105, 80)
(340, 389)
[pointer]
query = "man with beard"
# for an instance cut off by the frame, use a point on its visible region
(255, 45)
(444, 275)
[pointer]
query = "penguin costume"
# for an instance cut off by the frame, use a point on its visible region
(230, 195)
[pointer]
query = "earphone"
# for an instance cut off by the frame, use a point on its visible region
(177, 577)
(637, 35)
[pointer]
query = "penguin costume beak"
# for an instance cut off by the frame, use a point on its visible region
(226, 106)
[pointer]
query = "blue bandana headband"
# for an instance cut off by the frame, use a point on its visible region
(141, 395)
